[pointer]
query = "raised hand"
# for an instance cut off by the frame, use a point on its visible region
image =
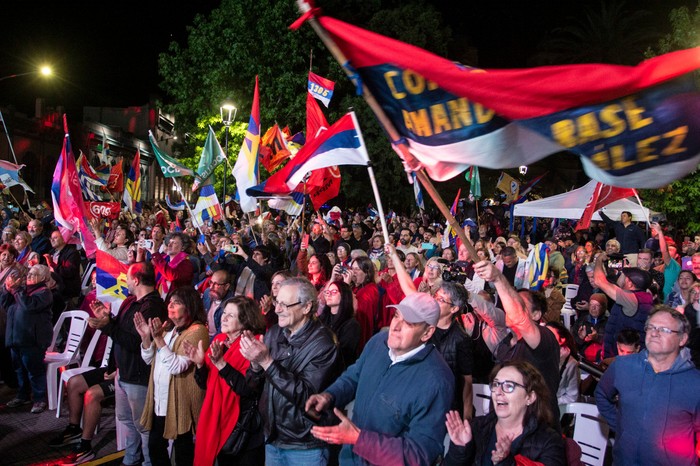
(143, 329)
(216, 353)
(502, 449)
(194, 353)
(459, 430)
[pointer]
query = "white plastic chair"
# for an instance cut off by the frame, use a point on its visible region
(70, 355)
(84, 366)
(87, 277)
(481, 398)
(568, 313)
(590, 431)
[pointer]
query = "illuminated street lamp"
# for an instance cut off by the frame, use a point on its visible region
(228, 115)
(44, 70)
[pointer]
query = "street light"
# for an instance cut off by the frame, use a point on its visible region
(228, 115)
(44, 70)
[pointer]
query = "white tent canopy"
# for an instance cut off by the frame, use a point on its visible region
(572, 204)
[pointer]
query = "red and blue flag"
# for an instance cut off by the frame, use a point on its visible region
(631, 126)
(111, 280)
(341, 144)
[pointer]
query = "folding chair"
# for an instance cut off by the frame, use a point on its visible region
(84, 365)
(590, 431)
(481, 397)
(71, 353)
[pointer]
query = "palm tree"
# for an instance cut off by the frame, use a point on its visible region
(613, 33)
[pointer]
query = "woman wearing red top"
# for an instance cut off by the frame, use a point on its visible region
(221, 371)
(361, 277)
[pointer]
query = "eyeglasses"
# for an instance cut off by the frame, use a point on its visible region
(433, 267)
(285, 307)
(654, 328)
(442, 300)
(507, 386)
(218, 284)
(331, 292)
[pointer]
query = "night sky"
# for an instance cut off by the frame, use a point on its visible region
(106, 54)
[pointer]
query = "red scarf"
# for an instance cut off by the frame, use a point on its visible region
(221, 406)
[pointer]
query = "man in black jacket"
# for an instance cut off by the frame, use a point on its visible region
(133, 372)
(64, 262)
(299, 357)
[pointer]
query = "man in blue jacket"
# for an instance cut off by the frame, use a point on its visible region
(650, 399)
(402, 389)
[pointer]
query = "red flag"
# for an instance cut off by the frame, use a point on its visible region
(116, 178)
(68, 208)
(326, 185)
(602, 195)
(315, 119)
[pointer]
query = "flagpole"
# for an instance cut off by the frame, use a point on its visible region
(413, 164)
(303, 208)
(646, 214)
(251, 224)
(9, 142)
(187, 204)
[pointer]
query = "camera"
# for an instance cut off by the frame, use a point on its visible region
(455, 272)
(231, 248)
(146, 243)
(616, 261)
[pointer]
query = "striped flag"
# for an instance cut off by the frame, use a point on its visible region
(68, 207)
(111, 281)
(631, 126)
(207, 208)
(246, 169)
(132, 190)
(180, 205)
(292, 205)
(418, 194)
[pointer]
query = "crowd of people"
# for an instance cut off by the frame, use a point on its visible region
(314, 340)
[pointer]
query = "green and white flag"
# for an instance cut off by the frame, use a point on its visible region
(170, 167)
(212, 156)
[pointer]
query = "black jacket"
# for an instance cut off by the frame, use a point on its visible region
(127, 342)
(537, 442)
(68, 271)
(303, 365)
(28, 316)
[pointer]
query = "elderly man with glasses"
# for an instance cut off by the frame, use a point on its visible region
(650, 399)
(298, 358)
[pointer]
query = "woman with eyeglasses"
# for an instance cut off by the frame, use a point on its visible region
(268, 302)
(431, 280)
(221, 370)
(517, 425)
(339, 315)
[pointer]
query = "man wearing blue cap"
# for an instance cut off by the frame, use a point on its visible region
(402, 389)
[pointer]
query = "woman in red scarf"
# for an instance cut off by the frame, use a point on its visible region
(221, 371)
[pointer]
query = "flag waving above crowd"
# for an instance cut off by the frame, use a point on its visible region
(631, 126)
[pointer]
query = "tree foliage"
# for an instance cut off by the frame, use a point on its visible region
(614, 32)
(680, 200)
(226, 49)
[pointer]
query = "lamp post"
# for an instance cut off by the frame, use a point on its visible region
(228, 115)
(45, 71)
